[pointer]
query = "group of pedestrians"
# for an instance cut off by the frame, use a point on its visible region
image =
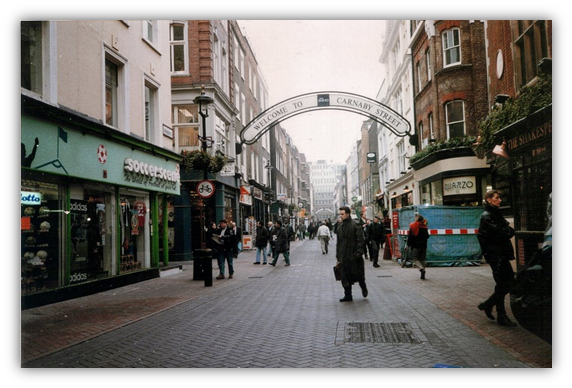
(494, 238)
(374, 238)
(277, 237)
(358, 239)
(223, 240)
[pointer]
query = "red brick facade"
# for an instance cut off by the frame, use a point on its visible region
(200, 55)
(500, 42)
(465, 81)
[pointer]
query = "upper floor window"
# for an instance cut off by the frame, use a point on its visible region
(531, 45)
(422, 135)
(221, 139)
(151, 107)
(241, 62)
(428, 64)
(418, 70)
(243, 110)
(186, 124)
(111, 93)
(221, 63)
(402, 156)
(178, 38)
(150, 31)
(236, 53)
(455, 119)
(451, 47)
(237, 99)
(431, 132)
(31, 56)
(397, 102)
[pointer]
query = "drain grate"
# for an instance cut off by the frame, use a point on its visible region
(367, 332)
(384, 276)
(255, 277)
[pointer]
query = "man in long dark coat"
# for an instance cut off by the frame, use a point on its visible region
(349, 251)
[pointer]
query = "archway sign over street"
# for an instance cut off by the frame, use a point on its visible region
(320, 101)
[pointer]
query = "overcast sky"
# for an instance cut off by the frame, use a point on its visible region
(303, 56)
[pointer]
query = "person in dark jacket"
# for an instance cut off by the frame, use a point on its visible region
(261, 242)
(365, 223)
(226, 250)
(494, 238)
(271, 234)
(349, 254)
(376, 234)
(281, 245)
(417, 240)
(212, 244)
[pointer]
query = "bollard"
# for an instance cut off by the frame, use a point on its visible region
(203, 266)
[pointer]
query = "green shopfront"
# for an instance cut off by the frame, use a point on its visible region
(94, 204)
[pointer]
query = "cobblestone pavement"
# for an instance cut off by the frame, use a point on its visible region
(283, 317)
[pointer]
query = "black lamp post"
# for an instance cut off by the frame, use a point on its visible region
(203, 101)
(268, 167)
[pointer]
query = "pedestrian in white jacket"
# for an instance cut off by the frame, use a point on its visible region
(324, 237)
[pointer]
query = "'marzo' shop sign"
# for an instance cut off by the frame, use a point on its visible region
(325, 100)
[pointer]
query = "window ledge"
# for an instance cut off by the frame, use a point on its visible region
(453, 68)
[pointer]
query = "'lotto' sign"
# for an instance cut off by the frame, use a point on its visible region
(30, 198)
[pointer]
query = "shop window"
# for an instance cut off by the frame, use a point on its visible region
(91, 237)
(436, 193)
(134, 229)
(426, 194)
(41, 220)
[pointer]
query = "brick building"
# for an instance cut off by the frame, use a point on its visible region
(519, 70)
(450, 97)
(202, 55)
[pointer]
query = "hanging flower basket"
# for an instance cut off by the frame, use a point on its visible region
(201, 160)
(196, 160)
(217, 163)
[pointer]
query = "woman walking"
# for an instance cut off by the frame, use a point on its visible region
(417, 240)
(494, 238)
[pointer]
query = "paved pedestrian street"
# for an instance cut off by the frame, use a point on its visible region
(283, 317)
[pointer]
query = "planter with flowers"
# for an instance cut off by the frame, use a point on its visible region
(202, 160)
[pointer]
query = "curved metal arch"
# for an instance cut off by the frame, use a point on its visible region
(325, 101)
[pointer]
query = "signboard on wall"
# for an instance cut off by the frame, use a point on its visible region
(459, 185)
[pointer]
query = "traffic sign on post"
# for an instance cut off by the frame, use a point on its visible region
(205, 188)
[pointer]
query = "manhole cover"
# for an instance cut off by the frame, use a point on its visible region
(367, 332)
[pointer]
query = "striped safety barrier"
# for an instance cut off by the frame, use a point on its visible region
(443, 231)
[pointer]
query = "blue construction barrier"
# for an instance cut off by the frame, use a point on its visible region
(459, 247)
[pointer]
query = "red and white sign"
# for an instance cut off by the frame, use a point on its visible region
(205, 189)
(246, 242)
(395, 219)
(245, 197)
(444, 231)
(101, 154)
(141, 212)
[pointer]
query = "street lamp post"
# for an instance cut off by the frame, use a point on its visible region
(202, 266)
(268, 167)
(203, 101)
